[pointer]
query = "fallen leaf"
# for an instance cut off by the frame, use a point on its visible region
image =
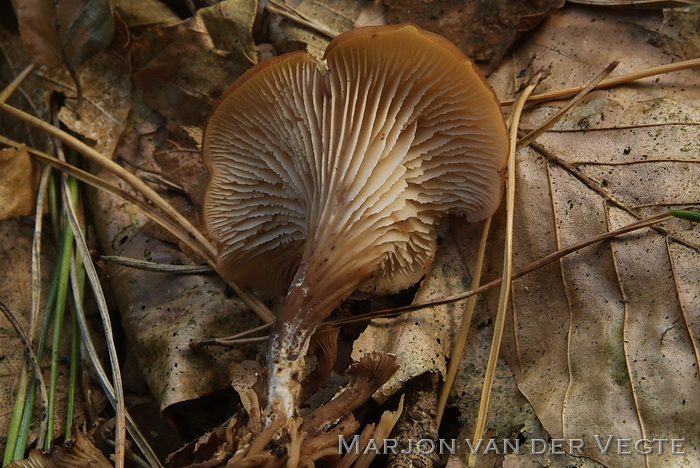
(105, 104)
(142, 13)
(29, 98)
(66, 32)
(420, 340)
(19, 179)
(482, 30)
(605, 342)
(161, 313)
(334, 16)
(230, 25)
(180, 69)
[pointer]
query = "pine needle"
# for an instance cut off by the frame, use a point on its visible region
(499, 322)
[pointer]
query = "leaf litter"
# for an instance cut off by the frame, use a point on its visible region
(615, 278)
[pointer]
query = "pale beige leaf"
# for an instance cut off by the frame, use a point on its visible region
(420, 340)
(106, 100)
(331, 16)
(19, 179)
(606, 342)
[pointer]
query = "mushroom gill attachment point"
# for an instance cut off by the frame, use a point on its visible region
(329, 177)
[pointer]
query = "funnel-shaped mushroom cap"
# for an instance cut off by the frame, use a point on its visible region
(345, 166)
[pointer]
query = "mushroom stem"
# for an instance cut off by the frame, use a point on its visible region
(296, 322)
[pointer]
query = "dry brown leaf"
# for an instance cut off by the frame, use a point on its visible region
(161, 313)
(230, 25)
(483, 30)
(66, 32)
(606, 342)
(181, 70)
(106, 100)
(336, 16)
(19, 179)
(30, 97)
(141, 13)
(420, 340)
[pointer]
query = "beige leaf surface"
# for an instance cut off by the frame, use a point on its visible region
(106, 99)
(332, 16)
(420, 340)
(606, 342)
(18, 182)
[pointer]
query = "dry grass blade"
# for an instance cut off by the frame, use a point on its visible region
(461, 339)
(36, 252)
(168, 216)
(92, 353)
(558, 115)
(610, 82)
(499, 322)
(196, 240)
(157, 267)
(84, 251)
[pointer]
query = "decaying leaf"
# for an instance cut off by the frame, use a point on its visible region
(230, 25)
(422, 340)
(161, 313)
(606, 341)
(106, 100)
(483, 30)
(141, 13)
(332, 16)
(64, 32)
(19, 179)
(182, 69)
(79, 452)
(30, 97)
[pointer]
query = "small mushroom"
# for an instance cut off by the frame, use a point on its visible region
(328, 176)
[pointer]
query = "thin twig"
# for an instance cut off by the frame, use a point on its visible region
(610, 82)
(558, 115)
(595, 186)
(157, 267)
(529, 268)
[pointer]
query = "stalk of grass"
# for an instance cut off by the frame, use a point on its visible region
(15, 421)
(693, 216)
(26, 343)
(461, 339)
(75, 330)
(21, 444)
(65, 254)
(81, 245)
(24, 384)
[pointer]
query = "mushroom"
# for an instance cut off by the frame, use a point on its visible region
(328, 176)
